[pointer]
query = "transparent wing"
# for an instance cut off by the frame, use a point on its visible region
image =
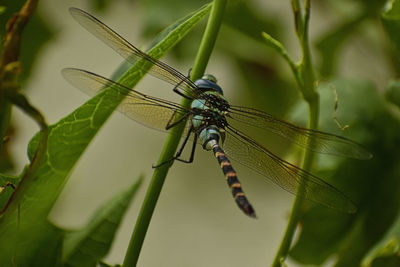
(251, 154)
(150, 111)
(132, 54)
(313, 140)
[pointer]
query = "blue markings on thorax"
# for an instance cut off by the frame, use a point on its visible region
(208, 83)
(213, 113)
(210, 109)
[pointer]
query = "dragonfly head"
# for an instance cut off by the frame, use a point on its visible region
(208, 83)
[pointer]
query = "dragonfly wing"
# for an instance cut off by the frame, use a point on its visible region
(313, 140)
(132, 54)
(149, 111)
(251, 154)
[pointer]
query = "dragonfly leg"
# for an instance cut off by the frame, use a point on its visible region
(171, 124)
(179, 92)
(178, 154)
(170, 161)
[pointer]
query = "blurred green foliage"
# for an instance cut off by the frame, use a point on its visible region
(362, 238)
(391, 23)
(374, 184)
(393, 92)
(37, 33)
(330, 43)
(34, 241)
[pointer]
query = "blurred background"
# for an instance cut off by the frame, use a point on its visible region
(196, 222)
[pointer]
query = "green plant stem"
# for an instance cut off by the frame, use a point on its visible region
(172, 142)
(298, 18)
(313, 115)
(307, 85)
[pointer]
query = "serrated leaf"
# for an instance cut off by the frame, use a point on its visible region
(89, 245)
(68, 139)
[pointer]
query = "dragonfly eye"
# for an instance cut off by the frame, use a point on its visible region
(208, 85)
(209, 77)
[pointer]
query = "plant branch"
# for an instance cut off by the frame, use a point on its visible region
(13, 36)
(308, 90)
(9, 54)
(9, 73)
(13, 96)
(172, 142)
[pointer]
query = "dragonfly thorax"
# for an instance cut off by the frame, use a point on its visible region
(208, 119)
(211, 101)
(209, 109)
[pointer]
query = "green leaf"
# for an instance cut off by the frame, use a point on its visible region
(388, 247)
(267, 89)
(68, 139)
(320, 238)
(7, 189)
(90, 244)
(386, 252)
(275, 44)
(245, 18)
(100, 5)
(391, 23)
(372, 184)
(278, 47)
(331, 42)
(47, 249)
(48, 252)
(103, 264)
(393, 92)
(392, 261)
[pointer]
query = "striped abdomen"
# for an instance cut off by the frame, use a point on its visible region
(233, 182)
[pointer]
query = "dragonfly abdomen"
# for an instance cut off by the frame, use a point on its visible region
(233, 182)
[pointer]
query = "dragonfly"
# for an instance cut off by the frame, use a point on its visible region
(209, 122)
